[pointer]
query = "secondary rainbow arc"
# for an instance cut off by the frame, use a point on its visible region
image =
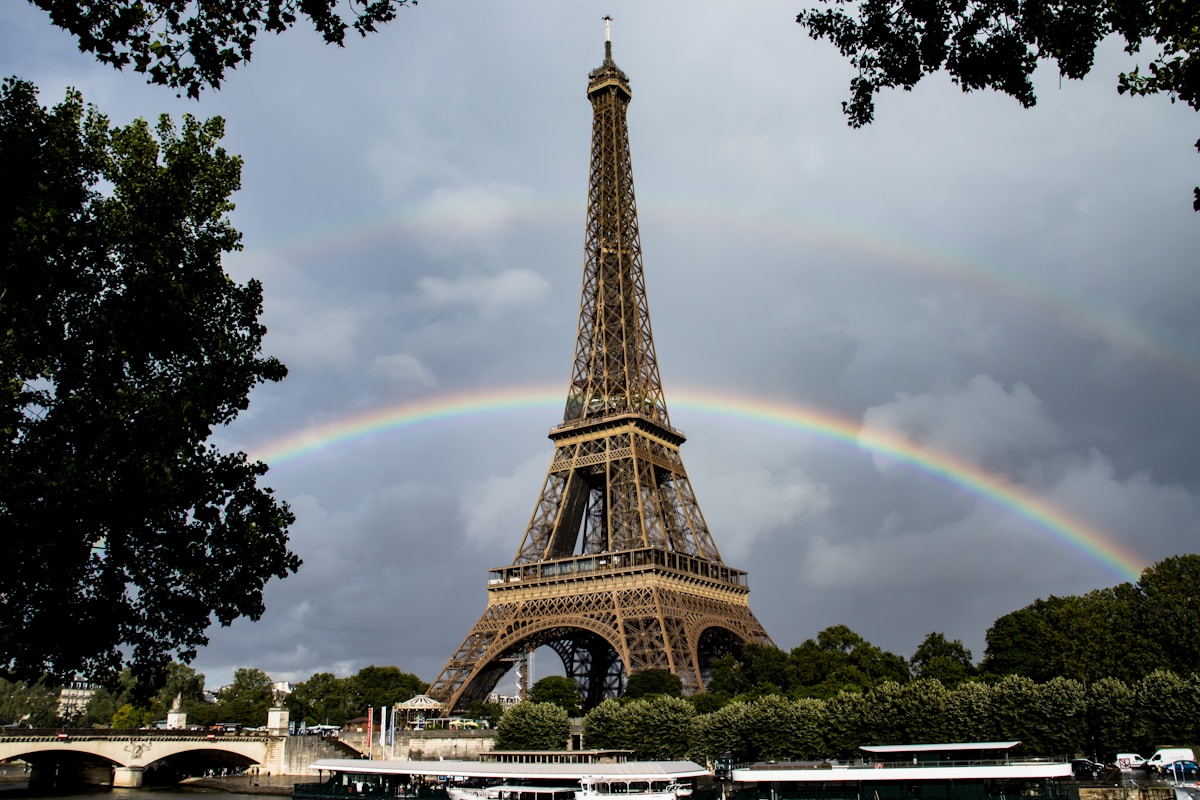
(1093, 542)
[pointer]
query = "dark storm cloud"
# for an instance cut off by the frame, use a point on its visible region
(1013, 287)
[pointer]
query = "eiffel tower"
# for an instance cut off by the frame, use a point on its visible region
(617, 572)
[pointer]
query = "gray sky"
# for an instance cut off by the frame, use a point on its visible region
(1010, 292)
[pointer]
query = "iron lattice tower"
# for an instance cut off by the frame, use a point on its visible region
(617, 572)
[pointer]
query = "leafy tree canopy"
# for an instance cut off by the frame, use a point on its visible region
(323, 699)
(945, 661)
(375, 687)
(32, 704)
(248, 698)
(997, 44)
(653, 682)
(190, 46)
(123, 343)
(533, 726)
(557, 690)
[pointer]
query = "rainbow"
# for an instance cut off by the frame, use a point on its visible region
(886, 250)
(1093, 542)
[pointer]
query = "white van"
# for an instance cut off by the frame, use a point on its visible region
(1130, 761)
(1169, 755)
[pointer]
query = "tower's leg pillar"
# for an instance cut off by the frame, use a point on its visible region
(127, 777)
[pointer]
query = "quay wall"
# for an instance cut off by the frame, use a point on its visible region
(1127, 793)
(427, 745)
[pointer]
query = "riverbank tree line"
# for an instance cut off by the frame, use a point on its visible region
(1115, 669)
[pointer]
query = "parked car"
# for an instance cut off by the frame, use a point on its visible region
(1182, 770)
(1084, 769)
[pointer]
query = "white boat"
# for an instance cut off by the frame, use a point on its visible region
(592, 787)
(509, 792)
(948, 770)
(472, 792)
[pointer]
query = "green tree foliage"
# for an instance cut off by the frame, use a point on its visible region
(1120, 632)
(602, 726)
(184, 686)
(1055, 718)
(1167, 706)
(723, 731)
(651, 682)
(997, 45)
(558, 690)
(758, 669)
(323, 699)
(248, 698)
(657, 727)
(942, 660)
(123, 343)
(486, 712)
(376, 687)
(968, 714)
(1170, 592)
(654, 727)
(778, 729)
(34, 704)
(100, 709)
(533, 726)
(708, 702)
(131, 716)
(1110, 716)
(840, 660)
(190, 46)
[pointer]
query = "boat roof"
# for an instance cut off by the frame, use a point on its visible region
(936, 748)
(782, 773)
(628, 770)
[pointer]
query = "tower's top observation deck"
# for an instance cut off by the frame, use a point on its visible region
(608, 73)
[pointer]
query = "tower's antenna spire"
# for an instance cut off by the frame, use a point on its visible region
(607, 36)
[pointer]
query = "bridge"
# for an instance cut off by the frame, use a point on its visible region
(128, 758)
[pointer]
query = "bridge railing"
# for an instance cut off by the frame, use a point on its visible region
(9, 732)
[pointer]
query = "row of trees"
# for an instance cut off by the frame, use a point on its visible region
(1058, 717)
(1125, 632)
(323, 698)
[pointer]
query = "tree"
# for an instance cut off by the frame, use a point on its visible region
(486, 712)
(658, 727)
(558, 690)
(1171, 600)
(841, 660)
(33, 704)
(652, 682)
(997, 45)
(183, 684)
(248, 698)
(533, 726)
(123, 343)
(948, 662)
(190, 46)
(323, 699)
(376, 687)
(603, 727)
(130, 716)
(780, 729)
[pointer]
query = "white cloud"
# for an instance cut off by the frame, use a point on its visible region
(496, 511)
(401, 371)
(982, 421)
(488, 294)
(754, 502)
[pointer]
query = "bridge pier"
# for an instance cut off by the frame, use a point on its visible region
(128, 777)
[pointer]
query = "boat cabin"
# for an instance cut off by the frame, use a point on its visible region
(944, 771)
